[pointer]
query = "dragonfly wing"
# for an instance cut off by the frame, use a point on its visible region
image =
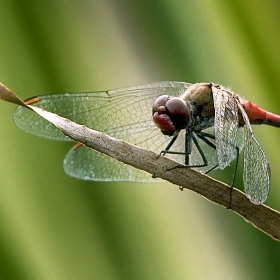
(87, 164)
(256, 174)
(226, 125)
(105, 111)
(31, 122)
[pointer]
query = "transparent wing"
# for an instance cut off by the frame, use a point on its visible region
(226, 126)
(122, 111)
(87, 164)
(256, 174)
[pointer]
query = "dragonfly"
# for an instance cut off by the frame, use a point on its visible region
(204, 126)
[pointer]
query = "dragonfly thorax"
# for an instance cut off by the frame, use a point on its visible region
(201, 123)
(200, 98)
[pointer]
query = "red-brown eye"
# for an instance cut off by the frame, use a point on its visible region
(177, 106)
(170, 114)
(160, 101)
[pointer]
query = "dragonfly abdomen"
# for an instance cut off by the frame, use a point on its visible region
(258, 115)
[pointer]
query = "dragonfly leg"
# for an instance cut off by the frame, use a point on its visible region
(234, 176)
(205, 162)
(190, 136)
(186, 153)
(166, 150)
(203, 136)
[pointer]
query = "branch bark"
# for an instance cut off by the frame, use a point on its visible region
(261, 216)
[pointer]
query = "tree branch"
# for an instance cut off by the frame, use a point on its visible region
(261, 216)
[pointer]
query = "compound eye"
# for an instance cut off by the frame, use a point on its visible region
(160, 103)
(177, 106)
(171, 114)
(179, 112)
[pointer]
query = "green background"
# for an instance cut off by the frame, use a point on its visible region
(56, 227)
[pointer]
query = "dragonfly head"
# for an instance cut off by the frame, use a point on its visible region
(171, 114)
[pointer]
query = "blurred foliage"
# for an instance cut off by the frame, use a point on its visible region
(56, 227)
